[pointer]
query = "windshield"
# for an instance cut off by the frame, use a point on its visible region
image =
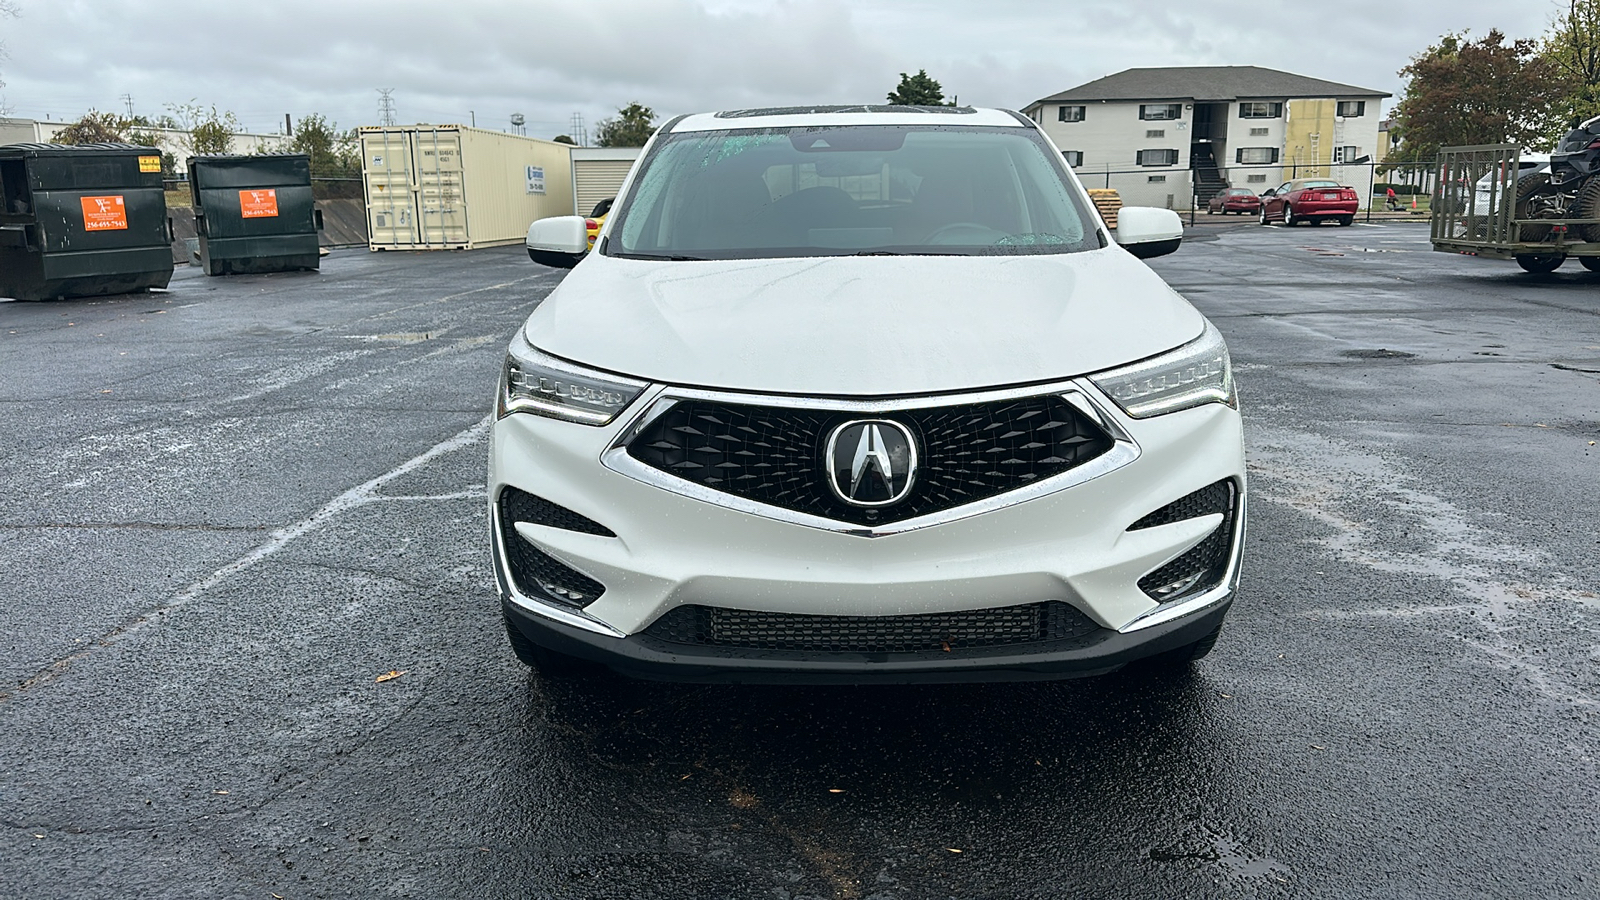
(841, 191)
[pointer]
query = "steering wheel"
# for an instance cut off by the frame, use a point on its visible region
(965, 234)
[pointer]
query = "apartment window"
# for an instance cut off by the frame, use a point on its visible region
(1256, 179)
(1158, 157)
(1260, 132)
(1157, 179)
(1074, 158)
(1352, 108)
(1156, 133)
(1159, 111)
(1069, 114)
(1346, 154)
(1261, 110)
(1255, 156)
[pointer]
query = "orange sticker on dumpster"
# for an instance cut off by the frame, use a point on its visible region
(258, 204)
(104, 213)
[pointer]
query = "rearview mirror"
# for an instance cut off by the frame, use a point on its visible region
(1148, 232)
(559, 241)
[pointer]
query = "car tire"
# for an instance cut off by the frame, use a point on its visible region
(1346, 221)
(549, 663)
(1179, 658)
(1263, 216)
(1289, 221)
(1541, 263)
(1592, 263)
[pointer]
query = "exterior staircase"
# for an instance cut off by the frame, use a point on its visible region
(1208, 180)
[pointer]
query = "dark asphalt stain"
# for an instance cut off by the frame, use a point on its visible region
(1380, 353)
(1405, 701)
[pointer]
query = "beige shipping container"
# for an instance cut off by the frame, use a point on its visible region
(598, 172)
(450, 187)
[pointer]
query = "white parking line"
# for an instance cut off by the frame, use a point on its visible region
(360, 495)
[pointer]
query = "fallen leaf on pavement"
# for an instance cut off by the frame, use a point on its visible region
(390, 675)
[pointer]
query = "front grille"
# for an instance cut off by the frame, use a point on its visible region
(933, 632)
(535, 572)
(775, 455)
(1203, 566)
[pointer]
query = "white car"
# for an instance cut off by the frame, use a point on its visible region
(863, 394)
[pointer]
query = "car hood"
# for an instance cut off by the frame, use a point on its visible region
(862, 326)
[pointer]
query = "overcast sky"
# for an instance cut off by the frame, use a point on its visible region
(548, 60)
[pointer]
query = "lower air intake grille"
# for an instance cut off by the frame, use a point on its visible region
(935, 632)
(536, 573)
(1205, 564)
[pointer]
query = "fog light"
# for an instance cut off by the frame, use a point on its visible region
(1175, 588)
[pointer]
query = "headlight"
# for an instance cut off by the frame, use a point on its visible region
(1198, 372)
(537, 383)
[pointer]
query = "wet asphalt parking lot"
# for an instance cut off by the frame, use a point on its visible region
(230, 507)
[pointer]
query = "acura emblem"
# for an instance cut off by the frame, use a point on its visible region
(871, 462)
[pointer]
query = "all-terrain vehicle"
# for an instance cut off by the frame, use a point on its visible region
(1568, 189)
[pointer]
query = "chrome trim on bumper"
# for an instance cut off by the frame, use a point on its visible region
(1177, 609)
(508, 588)
(1083, 397)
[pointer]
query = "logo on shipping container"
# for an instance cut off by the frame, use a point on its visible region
(258, 204)
(535, 179)
(104, 213)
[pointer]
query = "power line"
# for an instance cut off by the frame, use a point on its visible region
(386, 106)
(128, 99)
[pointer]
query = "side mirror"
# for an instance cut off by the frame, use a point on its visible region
(559, 241)
(1147, 232)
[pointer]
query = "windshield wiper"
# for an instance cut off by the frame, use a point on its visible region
(659, 256)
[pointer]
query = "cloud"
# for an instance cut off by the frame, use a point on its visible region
(549, 59)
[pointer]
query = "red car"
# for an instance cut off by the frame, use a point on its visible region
(1314, 200)
(1234, 200)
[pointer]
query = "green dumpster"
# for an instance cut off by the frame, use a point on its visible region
(254, 214)
(82, 221)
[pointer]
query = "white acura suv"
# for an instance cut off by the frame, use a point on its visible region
(851, 394)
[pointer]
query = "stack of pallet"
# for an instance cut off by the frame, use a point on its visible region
(1108, 202)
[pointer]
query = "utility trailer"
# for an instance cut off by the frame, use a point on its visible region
(1475, 211)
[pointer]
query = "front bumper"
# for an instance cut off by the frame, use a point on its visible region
(1071, 544)
(641, 656)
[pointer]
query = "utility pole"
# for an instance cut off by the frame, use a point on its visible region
(386, 106)
(128, 99)
(474, 115)
(288, 126)
(579, 132)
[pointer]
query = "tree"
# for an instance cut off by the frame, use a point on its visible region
(1486, 91)
(564, 139)
(208, 131)
(1573, 49)
(632, 127)
(8, 10)
(94, 128)
(333, 153)
(917, 90)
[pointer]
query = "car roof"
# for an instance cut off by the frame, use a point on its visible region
(803, 116)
